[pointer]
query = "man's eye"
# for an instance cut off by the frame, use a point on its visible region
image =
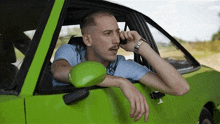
(108, 33)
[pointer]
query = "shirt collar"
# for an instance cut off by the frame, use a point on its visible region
(110, 68)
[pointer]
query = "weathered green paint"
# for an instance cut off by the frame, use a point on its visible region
(36, 65)
(11, 109)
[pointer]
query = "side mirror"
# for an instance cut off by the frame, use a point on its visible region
(87, 74)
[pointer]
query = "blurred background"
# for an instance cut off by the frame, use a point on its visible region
(195, 24)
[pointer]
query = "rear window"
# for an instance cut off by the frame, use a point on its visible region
(17, 28)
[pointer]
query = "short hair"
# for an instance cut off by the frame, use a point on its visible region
(89, 20)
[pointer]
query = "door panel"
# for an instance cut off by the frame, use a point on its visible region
(101, 106)
(11, 109)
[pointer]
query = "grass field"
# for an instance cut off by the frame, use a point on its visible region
(202, 50)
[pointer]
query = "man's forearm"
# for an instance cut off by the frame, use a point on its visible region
(60, 70)
(170, 76)
(137, 100)
(111, 81)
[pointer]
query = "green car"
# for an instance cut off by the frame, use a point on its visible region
(32, 30)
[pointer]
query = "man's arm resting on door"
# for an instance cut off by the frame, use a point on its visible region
(60, 70)
(167, 79)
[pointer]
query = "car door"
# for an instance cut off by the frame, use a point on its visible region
(102, 105)
(12, 109)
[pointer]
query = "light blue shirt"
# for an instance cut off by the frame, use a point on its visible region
(120, 67)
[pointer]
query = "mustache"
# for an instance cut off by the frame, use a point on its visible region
(114, 47)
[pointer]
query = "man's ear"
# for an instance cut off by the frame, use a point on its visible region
(87, 39)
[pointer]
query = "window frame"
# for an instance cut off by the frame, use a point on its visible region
(135, 21)
(63, 22)
(149, 37)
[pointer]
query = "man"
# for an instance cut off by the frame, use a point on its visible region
(101, 36)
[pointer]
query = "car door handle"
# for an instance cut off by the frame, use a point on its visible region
(75, 96)
(156, 95)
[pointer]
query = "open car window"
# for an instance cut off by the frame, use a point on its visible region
(69, 34)
(74, 31)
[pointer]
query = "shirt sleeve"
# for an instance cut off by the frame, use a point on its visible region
(68, 53)
(130, 69)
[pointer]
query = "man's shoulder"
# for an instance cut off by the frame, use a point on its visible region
(123, 58)
(70, 48)
(122, 61)
(65, 50)
(67, 46)
(120, 57)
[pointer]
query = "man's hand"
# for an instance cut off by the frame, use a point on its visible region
(132, 38)
(139, 106)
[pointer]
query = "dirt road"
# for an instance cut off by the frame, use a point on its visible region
(211, 61)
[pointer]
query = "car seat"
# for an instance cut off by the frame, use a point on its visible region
(77, 41)
(8, 71)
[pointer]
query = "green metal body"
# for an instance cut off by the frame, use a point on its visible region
(87, 74)
(36, 65)
(110, 105)
(107, 105)
(12, 109)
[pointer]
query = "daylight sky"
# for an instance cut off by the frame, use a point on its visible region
(186, 19)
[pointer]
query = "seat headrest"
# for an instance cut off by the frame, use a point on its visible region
(7, 52)
(77, 41)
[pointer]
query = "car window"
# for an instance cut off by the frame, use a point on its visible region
(14, 45)
(66, 36)
(69, 31)
(170, 52)
(66, 33)
(18, 23)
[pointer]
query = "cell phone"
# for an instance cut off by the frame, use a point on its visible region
(123, 41)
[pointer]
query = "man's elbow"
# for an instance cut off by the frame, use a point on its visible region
(183, 90)
(56, 76)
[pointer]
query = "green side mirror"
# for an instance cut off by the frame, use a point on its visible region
(87, 74)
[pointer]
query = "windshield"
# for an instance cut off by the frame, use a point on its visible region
(170, 52)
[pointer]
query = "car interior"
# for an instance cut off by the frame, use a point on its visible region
(11, 39)
(14, 38)
(73, 16)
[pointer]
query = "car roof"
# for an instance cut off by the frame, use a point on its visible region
(83, 7)
(11, 12)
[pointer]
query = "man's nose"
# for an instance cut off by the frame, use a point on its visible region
(116, 39)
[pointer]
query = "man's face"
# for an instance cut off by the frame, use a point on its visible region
(105, 38)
